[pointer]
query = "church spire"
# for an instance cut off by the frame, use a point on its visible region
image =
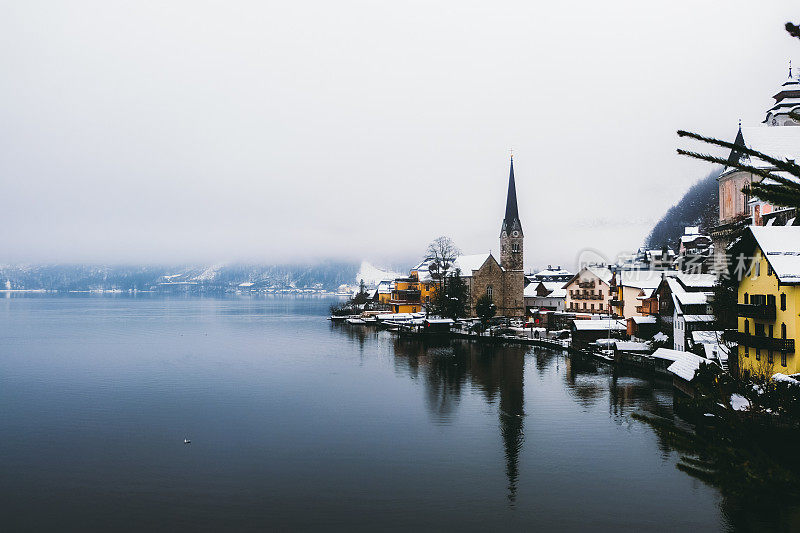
(511, 221)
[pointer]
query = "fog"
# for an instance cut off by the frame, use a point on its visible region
(275, 131)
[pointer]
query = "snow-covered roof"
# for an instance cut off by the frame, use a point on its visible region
(552, 285)
(684, 364)
(630, 346)
(603, 273)
(691, 298)
(643, 319)
(553, 272)
(686, 367)
(702, 337)
(781, 244)
(697, 280)
(558, 293)
(599, 325)
(698, 318)
(640, 279)
(468, 263)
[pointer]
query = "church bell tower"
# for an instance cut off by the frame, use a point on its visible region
(511, 240)
(511, 236)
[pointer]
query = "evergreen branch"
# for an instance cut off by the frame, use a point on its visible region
(713, 159)
(782, 165)
(793, 29)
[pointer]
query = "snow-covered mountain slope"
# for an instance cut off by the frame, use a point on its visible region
(372, 275)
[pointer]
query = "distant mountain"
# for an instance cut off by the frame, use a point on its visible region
(698, 207)
(323, 276)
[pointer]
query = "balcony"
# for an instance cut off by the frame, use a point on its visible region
(616, 303)
(762, 311)
(586, 284)
(589, 296)
(407, 295)
(767, 343)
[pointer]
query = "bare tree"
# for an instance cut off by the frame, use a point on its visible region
(444, 252)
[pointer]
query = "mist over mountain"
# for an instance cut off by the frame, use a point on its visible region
(698, 207)
(322, 276)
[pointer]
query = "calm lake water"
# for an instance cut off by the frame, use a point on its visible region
(297, 423)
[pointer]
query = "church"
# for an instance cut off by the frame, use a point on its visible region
(503, 281)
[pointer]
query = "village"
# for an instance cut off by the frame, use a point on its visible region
(726, 299)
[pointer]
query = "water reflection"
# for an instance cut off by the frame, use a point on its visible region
(449, 367)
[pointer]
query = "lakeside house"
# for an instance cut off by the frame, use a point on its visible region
(630, 288)
(768, 299)
(589, 291)
(684, 306)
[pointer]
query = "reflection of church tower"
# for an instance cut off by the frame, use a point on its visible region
(512, 403)
(511, 241)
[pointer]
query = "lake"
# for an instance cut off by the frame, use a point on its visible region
(297, 423)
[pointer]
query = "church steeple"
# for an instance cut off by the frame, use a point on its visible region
(511, 221)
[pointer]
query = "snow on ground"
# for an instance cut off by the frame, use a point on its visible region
(372, 275)
(739, 402)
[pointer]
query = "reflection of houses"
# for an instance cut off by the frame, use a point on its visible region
(500, 377)
(589, 290)
(769, 299)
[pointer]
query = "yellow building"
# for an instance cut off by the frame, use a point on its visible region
(411, 295)
(767, 262)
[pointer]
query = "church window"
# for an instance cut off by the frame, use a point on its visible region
(746, 298)
(783, 302)
(515, 247)
(489, 291)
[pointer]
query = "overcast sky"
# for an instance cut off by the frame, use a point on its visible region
(271, 131)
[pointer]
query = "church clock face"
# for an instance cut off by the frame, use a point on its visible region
(515, 233)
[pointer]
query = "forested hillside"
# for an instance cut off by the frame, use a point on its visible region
(698, 207)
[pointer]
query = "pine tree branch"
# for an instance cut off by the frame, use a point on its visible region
(793, 29)
(713, 159)
(782, 165)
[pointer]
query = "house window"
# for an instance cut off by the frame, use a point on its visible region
(592, 308)
(759, 329)
(769, 269)
(769, 357)
(783, 358)
(746, 327)
(783, 331)
(771, 300)
(746, 298)
(489, 292)
(515, 247)
(600, 295)
(747, 351)
(783, 302)
(758, 354)
(770, 330)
